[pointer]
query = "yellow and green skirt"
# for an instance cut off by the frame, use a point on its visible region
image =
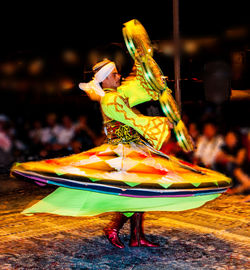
(121, 178)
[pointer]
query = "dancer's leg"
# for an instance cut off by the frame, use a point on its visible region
(137, 237)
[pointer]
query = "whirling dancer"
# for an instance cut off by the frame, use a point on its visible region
(106, 81)
(127, 174)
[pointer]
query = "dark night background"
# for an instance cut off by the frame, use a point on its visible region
(84, 24)
(45, 47)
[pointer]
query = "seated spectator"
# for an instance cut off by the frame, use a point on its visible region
(84, 138)
(76, 146)
(67, 131)
(231, 154)
(6, 155)
(242, 175)
(246, 143)
(49, 137)
(5, 141)
(194, 131)
(242, 172)
(35, 143)
(62, 145)
(208, 145)
(35, 133)
(51, 130)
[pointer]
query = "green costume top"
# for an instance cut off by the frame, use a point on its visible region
(154, 129)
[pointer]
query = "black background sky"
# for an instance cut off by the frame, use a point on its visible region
(83, 24)
(41, 28)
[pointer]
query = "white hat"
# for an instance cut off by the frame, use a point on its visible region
(105, 68)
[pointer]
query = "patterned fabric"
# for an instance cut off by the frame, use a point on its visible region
(154, 129)
(120, 133)
(136, 88)
(127, 165)
(139, 75)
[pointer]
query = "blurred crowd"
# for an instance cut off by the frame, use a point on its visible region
(227, 152)
(23, 140)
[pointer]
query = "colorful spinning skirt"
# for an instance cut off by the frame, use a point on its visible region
(121, 178)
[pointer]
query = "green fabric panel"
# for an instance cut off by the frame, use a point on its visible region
(196, 184)
(74, 202)
(165, 185)
(59, 173)
(131, 184)
(128, 214)
(94, 179)
(133, 90)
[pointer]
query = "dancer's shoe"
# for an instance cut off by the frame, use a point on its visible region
(112, 231)
(113, 237)
(137, 237)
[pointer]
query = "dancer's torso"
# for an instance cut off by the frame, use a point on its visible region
(117, 132)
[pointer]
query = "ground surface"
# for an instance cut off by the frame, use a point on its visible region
(215, 236)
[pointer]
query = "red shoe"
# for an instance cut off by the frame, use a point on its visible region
(145, 243)
(112, 235)
(112, 231)
(137, 238)
(142, 243)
